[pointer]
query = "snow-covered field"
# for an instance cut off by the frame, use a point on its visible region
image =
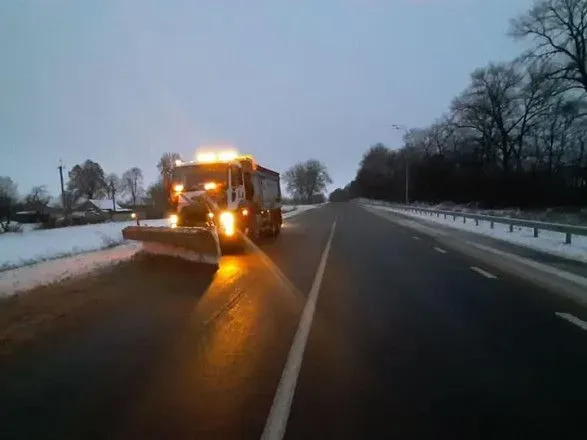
(33, 246)
(37, 257)
(547, 241)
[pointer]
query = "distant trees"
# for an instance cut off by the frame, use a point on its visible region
(132, 182)
(339, 195)
(158, 196)
(114, 186)
(308, 179)
(166, 164)
(517, 134)
(87, 179)
(37, 199)
(8, 197)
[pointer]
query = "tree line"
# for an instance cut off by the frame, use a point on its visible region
(517, 134)
(85, 181)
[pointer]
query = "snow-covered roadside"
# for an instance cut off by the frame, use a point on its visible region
(295, 210)
(57, 268)
(34, 246)
(547, 241)
(28, 277)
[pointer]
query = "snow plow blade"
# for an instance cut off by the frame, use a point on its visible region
(195, 244)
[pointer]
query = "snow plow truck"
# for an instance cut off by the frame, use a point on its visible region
(221, 200)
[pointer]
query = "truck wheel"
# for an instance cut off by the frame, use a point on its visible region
(253, 231)
(276, 229)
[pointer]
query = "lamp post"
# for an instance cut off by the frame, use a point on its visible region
(407, 184)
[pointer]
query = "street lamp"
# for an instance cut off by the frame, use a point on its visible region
(407, 184)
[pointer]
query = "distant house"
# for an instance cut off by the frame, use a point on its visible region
(106, 208)
(37, 214)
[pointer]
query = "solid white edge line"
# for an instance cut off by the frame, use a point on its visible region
(573, 320)
(280, 409)
(483, 272)
(442, 251)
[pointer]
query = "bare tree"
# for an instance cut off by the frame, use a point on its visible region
(307, 179)
(38, 198)
(558, 29)
(132, 181)
(114, 186)
(166, 164)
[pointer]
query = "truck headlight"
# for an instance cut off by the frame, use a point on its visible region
(227, 223)
(173, 219)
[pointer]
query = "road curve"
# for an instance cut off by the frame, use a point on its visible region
(408, 340)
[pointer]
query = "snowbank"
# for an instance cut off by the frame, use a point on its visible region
(28, 277)
(547, 241)
(289, 211)
(33, 246)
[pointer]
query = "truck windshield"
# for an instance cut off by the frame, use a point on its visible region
(194, 175)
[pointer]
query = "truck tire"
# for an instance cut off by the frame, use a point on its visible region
(253, 231)
(276, 229)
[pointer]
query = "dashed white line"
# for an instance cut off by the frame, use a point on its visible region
(415, 237)
(573, 320)
(483, 272)
(442, 251)
(280, 409)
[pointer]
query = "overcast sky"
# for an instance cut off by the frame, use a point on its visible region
(121, 81)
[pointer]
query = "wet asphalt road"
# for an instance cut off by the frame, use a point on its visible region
(407, 342)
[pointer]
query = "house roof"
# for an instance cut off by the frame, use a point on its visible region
(106, 205)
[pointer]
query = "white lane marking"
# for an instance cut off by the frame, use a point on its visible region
(577, 279)
(483, 272)
(280, 409)
(442, 251)
(573, 319)
(415, 237)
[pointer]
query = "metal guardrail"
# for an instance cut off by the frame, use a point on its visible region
(568, 230)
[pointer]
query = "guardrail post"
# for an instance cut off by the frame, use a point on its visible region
(454, 218)
(464, 219)
(491, 224)
(511, 228)
(568, 238)
(476, 222)
(445, 216)
(535, 232)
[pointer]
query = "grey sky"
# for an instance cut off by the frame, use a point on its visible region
(120, 82)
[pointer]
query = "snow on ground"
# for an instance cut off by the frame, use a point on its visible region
(571, 216)
(33, 246)
(28, 277)
(547, 241)
(72, 251)
(290, 211)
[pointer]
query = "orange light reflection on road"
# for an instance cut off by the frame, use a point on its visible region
(237, 323)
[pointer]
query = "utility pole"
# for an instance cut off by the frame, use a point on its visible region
(113, 192)
(407, 184)
(60, 167)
